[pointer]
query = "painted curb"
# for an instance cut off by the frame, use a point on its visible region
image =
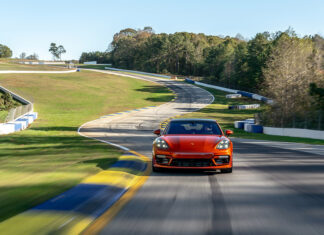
(78, 208)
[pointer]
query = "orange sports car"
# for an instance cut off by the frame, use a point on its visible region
(193, 144)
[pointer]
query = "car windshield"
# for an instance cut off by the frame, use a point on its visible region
(193, 128)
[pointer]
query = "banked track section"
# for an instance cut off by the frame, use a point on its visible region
(130, 127)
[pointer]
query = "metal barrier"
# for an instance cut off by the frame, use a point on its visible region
(19, 111)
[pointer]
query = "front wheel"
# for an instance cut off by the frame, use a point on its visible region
(227, 170)
(156, 169)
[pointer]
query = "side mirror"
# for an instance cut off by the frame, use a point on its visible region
(228, 132)
(157, 132)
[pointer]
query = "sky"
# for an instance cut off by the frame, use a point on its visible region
(83, 26)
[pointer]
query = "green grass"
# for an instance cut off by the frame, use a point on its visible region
(3, 115)
(225, 117)
(50, 157)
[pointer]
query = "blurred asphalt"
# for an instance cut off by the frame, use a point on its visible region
(274, 189)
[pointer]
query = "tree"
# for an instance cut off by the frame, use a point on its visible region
(100, 57)
(319, 46)
(22, 55)
(257, 56)
(56, 51)
(60, 51)
(317, 94)
(5, 51)
(32, 57)
(288, 73)
(53, 49)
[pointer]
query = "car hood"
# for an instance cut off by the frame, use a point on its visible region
(192, 143)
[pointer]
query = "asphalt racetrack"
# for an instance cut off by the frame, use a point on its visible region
(273, 189)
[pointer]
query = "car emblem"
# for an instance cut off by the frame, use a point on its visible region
(192, 144)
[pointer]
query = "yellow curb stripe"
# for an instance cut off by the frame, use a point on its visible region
(96, 226)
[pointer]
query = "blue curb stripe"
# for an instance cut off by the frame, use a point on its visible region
(88, 199)
(17, 126)
(130, 154)
(134, 165)
(23, 120)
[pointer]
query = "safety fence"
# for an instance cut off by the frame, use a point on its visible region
(19, 111)
(18, 118)
(16, 112)
(309, 119)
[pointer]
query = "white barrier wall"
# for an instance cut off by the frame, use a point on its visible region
(42, 62)
(17, 71)
(90, 62)
(18, 125)
(233, 96)
(294, 132)
(216, 87)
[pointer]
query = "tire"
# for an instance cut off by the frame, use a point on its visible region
(156, 169)
(227, 170)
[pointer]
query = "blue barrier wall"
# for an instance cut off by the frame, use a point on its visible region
(243, 93)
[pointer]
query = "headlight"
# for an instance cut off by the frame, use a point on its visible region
(161, 143)
(223, 144)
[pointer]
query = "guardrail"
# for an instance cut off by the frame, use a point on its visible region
(16, 96)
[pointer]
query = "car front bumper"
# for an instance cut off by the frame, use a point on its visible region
(202, 161)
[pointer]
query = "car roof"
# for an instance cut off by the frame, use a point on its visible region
(192, 120)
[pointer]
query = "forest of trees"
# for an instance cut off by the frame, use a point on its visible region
(281, 65)
(100, 57)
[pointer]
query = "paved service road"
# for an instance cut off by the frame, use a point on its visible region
(272, 190)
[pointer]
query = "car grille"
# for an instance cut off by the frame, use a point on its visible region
(192, 162)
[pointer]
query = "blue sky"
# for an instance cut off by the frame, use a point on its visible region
(30, 26)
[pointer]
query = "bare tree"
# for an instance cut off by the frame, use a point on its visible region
(288, 73)
(22, 55)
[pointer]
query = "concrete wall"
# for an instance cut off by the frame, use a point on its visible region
(294, 132)
(18, 125)
(216, 87)
(16, 96)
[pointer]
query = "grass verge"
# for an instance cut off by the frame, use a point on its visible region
(50, 157)
(225, 117)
